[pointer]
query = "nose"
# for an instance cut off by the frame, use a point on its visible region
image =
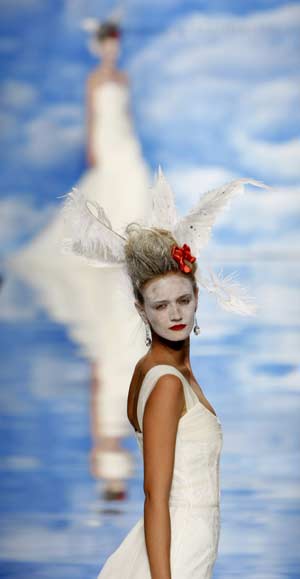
(175, 313)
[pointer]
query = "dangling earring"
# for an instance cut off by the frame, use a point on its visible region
(148, 340)
(196, 329)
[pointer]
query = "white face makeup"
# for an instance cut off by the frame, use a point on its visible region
(169, 305)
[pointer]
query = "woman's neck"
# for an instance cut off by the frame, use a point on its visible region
(177, 353)
(107, 68)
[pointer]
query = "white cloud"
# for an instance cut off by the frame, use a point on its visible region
(264, 213)
(279, 302)
(8, 6)
(264, 220)
(189, 183)
(270, 104)
(56, 132)
(225, 88)
(20, 218)
(16, 303)
(258, 371)
(45, 377)
(275, 287)
(281, 160)
(16, 94)
(212, 43)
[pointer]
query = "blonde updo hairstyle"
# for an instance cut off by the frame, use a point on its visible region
(148, 255)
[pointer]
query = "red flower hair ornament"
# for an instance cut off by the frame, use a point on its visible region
(182, 255)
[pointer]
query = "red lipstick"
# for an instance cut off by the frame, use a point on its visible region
(178, 327)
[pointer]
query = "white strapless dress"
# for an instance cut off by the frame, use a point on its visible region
(194, 497)
(94, 304)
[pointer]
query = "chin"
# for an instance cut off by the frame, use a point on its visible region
(177, 336)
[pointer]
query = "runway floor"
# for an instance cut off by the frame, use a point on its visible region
(55, 523)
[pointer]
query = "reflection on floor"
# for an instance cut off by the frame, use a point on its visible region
(55, 523)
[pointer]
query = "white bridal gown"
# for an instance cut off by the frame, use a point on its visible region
(194, 497)
(95, 304)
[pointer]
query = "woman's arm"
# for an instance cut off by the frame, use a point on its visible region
(89, 120)
(160, 421)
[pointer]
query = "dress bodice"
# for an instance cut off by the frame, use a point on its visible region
(112, 126)
(198, 445)
(194, 495)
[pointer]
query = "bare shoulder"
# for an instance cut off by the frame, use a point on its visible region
(123, 77)
(168, 390)
(142, 366)
(93, 78)
(164, 404)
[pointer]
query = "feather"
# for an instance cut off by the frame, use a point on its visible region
(90, 24)
(88, 235)
(230, 295)
(164, 214)
(195, 228)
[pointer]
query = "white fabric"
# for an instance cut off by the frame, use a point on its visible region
(95, 304)
(112, 464)
(194, 497)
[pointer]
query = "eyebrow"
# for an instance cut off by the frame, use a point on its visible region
(166, 301)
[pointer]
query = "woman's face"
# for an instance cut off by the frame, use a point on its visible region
(169, 305)
(110, 49)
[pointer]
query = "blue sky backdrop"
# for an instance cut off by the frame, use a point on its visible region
(215, 92)
(215, 95)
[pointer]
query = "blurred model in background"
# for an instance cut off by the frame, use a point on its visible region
(87, 300)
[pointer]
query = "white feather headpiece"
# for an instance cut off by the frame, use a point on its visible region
(92, 237)
(92, 25)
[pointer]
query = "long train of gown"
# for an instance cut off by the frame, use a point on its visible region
(194, 501)
(94, 303)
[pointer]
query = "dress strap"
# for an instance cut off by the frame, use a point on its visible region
(150, 380)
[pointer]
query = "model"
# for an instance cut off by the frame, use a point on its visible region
(177, 429)
(89, 302)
